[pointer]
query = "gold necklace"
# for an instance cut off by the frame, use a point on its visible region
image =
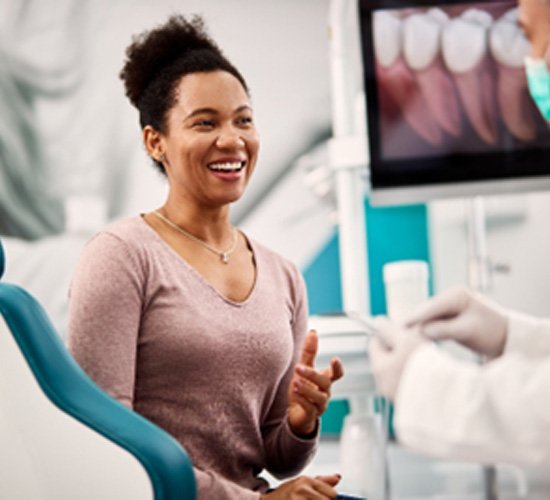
(224, 256)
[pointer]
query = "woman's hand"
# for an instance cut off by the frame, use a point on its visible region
(309, 390)
(302, 488)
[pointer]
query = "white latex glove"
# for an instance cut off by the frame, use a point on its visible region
(389, 357)
(466, 317)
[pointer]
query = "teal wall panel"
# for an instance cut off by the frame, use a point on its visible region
(323, 283)
(393, 233)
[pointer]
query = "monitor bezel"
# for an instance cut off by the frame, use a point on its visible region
(455, 175)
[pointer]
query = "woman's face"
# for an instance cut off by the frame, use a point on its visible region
(211, 143)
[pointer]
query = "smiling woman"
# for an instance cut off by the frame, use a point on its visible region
(181, 316)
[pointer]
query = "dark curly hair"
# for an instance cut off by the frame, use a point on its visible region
(156, 61)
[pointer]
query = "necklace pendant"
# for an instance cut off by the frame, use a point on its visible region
(225, 257)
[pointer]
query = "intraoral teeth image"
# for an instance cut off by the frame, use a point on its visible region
(399, 85)
(465, 51)
(422, 35)
(450, 78)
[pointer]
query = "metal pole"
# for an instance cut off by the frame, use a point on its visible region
(479, 277)
(349, 159)
(347, 170)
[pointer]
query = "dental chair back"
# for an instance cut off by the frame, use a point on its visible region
(61, 436)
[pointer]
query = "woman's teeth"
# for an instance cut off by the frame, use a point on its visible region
(227, 167)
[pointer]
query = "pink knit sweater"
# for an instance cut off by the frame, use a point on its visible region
(213, 373)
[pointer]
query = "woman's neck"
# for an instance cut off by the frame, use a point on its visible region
(210, 225)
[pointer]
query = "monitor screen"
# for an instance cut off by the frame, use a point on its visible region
(448, 107)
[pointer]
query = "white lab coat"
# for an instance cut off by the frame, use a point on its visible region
(498, 412)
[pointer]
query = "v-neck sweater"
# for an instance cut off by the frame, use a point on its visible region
(212, 372)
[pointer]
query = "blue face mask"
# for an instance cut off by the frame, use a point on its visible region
(538, 78)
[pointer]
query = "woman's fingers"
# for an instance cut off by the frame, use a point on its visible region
(324, 488)
(309, 349)
(337, 369)
(314, 386)
(318, 398)
(331, 480)
(306, 488)
(320, 379)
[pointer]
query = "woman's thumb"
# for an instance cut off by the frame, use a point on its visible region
(332, 480)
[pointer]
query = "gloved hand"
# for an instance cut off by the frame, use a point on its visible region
(388, 357)
(466, 317)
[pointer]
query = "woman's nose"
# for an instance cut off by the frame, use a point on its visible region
(230, 138)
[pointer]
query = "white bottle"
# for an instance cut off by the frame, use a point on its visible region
(406, 286)
(362, 456)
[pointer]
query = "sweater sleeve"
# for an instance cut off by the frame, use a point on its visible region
(105, 303)
(528, 335)
(491, 413)
(286, 453)
(211, 485)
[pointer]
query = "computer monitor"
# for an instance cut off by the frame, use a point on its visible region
(448, 107)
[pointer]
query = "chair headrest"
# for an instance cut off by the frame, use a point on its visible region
(2, 262)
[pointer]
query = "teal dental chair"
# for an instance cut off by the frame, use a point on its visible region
(61, 436)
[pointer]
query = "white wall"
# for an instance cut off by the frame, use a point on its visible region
(517, 235)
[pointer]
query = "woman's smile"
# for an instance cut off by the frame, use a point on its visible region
(228, 169)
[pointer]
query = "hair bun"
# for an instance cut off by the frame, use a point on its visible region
(152, 51)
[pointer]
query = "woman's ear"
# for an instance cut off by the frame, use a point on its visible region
(153, 143)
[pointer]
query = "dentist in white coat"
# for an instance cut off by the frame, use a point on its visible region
(496, 412)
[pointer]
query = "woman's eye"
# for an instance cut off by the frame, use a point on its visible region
(204, 123)
(245, 120)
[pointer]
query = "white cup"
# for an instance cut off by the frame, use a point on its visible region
(406, 286)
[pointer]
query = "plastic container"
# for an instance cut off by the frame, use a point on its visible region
(406, 287)
(362, 456)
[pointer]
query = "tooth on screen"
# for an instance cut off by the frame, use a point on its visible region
(463, 44)
(421, 35)
(478, 16)
(438, 15)
(387, 38)
(399, 85)
(512, 15)
(509, 46)
(507, 42)
(465, 51)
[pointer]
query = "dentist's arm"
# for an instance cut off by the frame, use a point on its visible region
(482, 325)
(390, 354)
(455, 409)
